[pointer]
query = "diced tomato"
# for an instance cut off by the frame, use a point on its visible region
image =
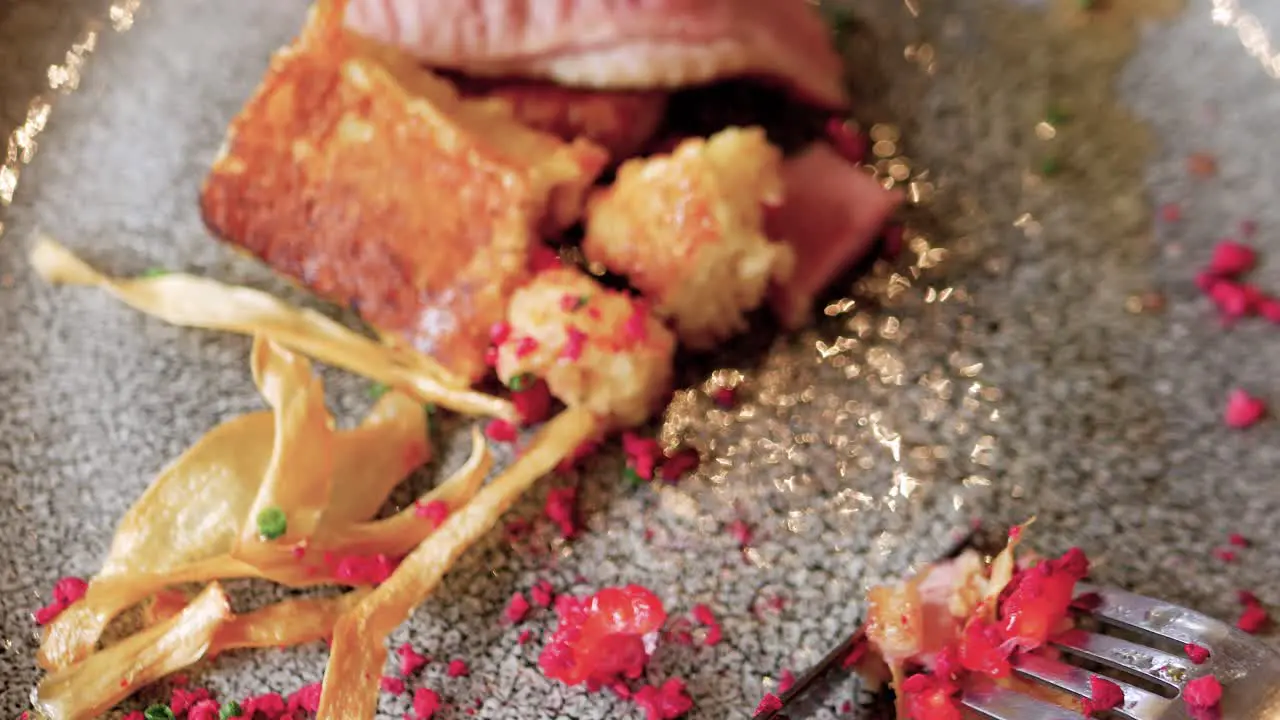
(602, 637)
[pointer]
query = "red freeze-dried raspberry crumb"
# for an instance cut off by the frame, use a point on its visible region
(361, 569)
(601, 639)
(741, 531)
(681, 631)
(181, 700)
(543, 258)
(856, 653)
(1197, 653)
(703, 614)
(1103, 695)
(499, 430)
(562, 509)
(572, 303)
(204, 710)
(580, 453)
(635, 329)
(425, 703)
(1243, 409)
(1238, 540)
(1171, 212)
(499, 333)
(1203, 692)
(1232, 299)
(525, 347)
(679, 465)
(65, 592)
(270, 705)
(410, 660)
(724, 397)
(457, 668)
(135, 715)
(542, 593)
(642, 453)
(434, 512)
(393, 685)
(768, 703)
(848, 142)
(1232, 259)
(930, 698)
(305, 698)
(1248, 228)
(785, 681)
(1269, 308)
(1253, 619)
(983, 649)
(525, 636)
(517, 608)
(574, 341)
(846, 707)
(667, 702)
(533, 403)
(1039, 598)
(1225, 555)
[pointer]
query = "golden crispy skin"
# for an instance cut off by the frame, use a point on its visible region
(375, 185)
(620, 122)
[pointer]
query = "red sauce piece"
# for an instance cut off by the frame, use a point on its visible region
(457, 668)
(1103, 695)
(562, 509)
(1197, 653)
(983, 649)
(410, 660)
(1203, 692)
(768, 703)
(425, 703)
(542, 593)
(517, 608)
(533, 403)
(393, 685)
(602, 638)
(665, 702)
(1040, 597)
(927, 697)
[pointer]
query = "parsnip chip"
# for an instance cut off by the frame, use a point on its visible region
(358, 650)
(184, 526)
(191, 301)
(93, 685)
(285, 623)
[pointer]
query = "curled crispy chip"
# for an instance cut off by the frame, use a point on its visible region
(358, 650)
(285, 623)
(93, 685)
(185, 525)
(191, 301)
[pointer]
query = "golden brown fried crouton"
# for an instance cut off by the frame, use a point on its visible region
(375, 185)
(596, 348)
(687, 230)
(620, 122)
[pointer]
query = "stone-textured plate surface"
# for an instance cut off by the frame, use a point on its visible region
(994, 372)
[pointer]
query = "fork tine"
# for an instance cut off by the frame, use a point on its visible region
(1141, 660)
(1001, 704)
(1159, 618)
(1138, 703)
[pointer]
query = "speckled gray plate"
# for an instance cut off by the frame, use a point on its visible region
(994, 372)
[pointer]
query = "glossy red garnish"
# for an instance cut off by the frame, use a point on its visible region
(542, 593)
(642, 453)
(499, 333)
(499, 430)
(725, 398)
(270, 705)
(947, 665)
(457, 668)
(434, 512)
(602, 638)
(1225, 555)
(543, 258)
(305, 698)
(516, 610)
(1040, 597)
(1203, 692)
(525, 347)
(393, 685)
(1015, 532)
(1232, 259)
(983, 649)
(1238, 540)
(533, 403)
(785, 681)
(181, 700)
(1253, 619)
(525, 636)
(927, 697)
(204, 710)
(1243, 409)
(666, 702)
(562, 509)
(1197, 653)
(66, 591)
(425, 703)
(768, 703)
(361, 569)
(574, 341)
(1103, 695)
(410, 660)
(703, 614)
(680, 464)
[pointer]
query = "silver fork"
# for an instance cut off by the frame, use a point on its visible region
(1248, 669)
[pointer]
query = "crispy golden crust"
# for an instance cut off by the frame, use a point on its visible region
(370, 181)
(621, 122)
(687, 230)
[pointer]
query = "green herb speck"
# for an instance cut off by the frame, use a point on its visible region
(1050, 167)
(272, 523)
(631, 477)
(1055, 115)
(158, 712)
(230, 710)
(155, 272)
(377, 390)
(520, 382)
(1087, 4)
